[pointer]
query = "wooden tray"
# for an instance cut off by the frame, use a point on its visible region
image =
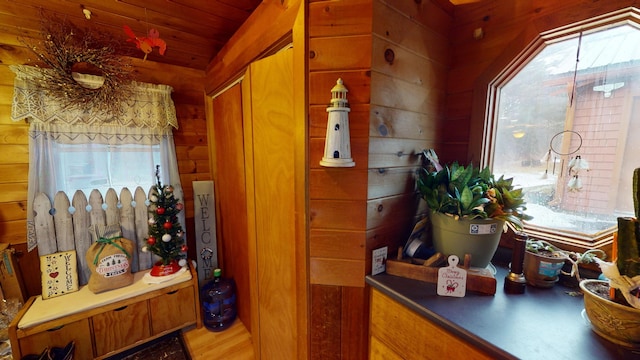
(478, 279)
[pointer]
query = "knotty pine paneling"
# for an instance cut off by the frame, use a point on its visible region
(359, 153)
(358, 82)
(394, 232)
(340, 272)
(338, 184)
(385, 211)
(384, 182)
(396, 93)
(340, 18)
(394, 152)
(402, 124)
(331, 53)
(408, 65)
(435, 15)
(338, 214)
(190, 139)
(343, 244)
(421, 38)
(358, 119)
(406, 100)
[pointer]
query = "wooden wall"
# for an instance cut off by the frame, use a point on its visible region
(508, 26)
(190, 139)
(393, 58)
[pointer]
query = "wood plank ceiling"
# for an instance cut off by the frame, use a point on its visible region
(194, 30)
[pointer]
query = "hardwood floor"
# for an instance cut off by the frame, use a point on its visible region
(231, 344)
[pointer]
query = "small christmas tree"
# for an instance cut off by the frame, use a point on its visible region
(165, 232)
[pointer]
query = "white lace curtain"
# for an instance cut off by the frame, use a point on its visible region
(147, 118)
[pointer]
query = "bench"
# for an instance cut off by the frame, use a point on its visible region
(103, 324)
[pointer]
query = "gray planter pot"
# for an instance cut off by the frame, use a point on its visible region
(479, 238)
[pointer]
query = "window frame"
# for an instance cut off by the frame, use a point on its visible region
(505, 69)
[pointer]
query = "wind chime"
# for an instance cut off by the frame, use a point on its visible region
(576, 164)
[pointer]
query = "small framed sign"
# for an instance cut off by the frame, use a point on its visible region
(59, 273)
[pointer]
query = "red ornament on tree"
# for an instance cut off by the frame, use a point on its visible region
(167, 225)
(160, 210)
(151, 240)
(184, 248)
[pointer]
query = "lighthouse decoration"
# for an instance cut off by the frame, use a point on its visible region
(337, 147)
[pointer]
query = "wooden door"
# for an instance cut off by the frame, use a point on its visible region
(231, 198)
(257, 170)
(270, 162)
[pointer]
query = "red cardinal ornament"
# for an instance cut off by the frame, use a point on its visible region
(146, 44)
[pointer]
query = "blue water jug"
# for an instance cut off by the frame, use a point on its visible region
(218, 299)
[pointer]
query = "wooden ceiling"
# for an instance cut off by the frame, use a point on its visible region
(194, 30)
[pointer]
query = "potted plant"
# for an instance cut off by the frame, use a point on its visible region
(469, 208)
(613, 306)
(543, 262)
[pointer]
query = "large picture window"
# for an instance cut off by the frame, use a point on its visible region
(565, 126)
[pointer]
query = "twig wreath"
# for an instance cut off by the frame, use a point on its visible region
(68, 50)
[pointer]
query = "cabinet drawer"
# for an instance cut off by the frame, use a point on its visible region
(60, 336)
(172, 310)
(120, 327)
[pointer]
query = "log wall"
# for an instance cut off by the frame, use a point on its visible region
(190, 139)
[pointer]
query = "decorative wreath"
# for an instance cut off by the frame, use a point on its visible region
(67, 51)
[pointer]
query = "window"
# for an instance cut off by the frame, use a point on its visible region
(74, 149)
(99, 166)
(577, 98)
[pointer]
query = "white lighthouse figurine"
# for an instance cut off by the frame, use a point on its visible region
(337, 147)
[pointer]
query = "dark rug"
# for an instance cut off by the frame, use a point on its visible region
(169, 346)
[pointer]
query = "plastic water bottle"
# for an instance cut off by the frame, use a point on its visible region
(218, 302)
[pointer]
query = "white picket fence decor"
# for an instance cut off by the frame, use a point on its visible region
(63, 225)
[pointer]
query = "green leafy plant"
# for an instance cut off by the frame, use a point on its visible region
(470, 192)
(547, 249)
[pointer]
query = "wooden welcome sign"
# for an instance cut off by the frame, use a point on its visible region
(205, 221)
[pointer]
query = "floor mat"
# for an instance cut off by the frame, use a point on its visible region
(167, 347)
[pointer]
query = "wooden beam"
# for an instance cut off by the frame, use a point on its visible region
(267, 30)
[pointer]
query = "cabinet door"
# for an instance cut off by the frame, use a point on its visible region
(173, 310)
(404, 334)
(60, 336)
(121, 327)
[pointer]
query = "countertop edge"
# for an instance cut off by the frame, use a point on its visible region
(456, 330)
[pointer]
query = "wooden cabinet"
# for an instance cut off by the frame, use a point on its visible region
(172, 311)
(397, 332)
(58, 335)
(258, 144)
(105, 324)
(120, 327)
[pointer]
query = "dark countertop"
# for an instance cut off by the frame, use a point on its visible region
(539, 324)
